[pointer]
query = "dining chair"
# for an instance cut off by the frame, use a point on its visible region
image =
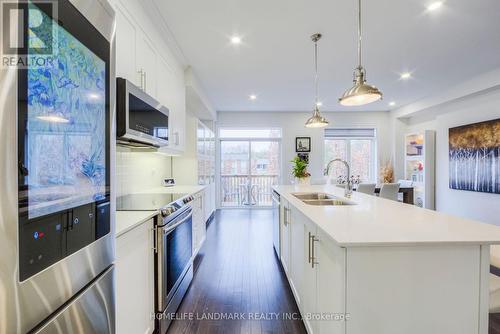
(366, 188)
(389, 191)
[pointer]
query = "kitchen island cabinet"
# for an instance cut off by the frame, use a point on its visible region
(378, 266)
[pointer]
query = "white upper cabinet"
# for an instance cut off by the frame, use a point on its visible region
(147, 66)
(144, 58)
(170, 91)
(126, 32)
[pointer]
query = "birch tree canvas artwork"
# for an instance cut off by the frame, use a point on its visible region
(474, 157)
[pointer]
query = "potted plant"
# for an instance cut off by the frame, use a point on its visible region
(299, 171)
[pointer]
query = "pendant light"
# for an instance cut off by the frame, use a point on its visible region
(361, 93)
(316, 121)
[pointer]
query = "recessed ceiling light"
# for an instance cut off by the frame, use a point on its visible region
(392, 104)
(252, 97)
(434, 5)
(236, 40)
(405, 75)
(319, 103)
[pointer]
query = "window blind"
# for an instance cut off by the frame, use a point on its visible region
(350, 133)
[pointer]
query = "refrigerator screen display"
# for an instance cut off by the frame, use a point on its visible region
(65, 143)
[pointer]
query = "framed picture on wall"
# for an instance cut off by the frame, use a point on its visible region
(303, 144)
(474, 157)
(304, 157)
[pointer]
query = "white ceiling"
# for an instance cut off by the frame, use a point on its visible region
(275, 61)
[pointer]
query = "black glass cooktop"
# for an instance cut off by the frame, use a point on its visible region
(145, 202)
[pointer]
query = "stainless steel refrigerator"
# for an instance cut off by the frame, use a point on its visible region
(56, 156)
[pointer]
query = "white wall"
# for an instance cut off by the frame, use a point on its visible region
(292, 124)
(137, 171)
(470, 109)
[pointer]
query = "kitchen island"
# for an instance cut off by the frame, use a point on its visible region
(371, 265)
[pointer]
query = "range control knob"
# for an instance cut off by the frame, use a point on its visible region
(167, 211)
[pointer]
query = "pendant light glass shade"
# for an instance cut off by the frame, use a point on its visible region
(361, 93)
(316, 121)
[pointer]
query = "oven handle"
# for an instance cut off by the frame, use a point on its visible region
(173, 227)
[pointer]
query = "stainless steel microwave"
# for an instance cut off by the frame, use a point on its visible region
(141, 120)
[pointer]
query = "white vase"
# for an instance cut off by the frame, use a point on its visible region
(303, 181)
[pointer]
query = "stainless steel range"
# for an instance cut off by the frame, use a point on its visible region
(173, 248)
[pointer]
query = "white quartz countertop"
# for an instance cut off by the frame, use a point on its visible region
(127, 220)
(376, 221)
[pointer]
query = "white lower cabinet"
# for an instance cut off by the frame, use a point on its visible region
(285, 235)
(383, 289)
(330, 285)
(135, 280)
(298, 259)
(199, 227)
(315, 267)
(209, 204)
(309, 287)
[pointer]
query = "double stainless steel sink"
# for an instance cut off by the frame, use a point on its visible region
(322, 199)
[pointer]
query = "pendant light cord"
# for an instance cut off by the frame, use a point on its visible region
(359, 34)
(316, 72)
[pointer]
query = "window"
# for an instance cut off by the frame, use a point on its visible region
(255, 154)
(357, 147)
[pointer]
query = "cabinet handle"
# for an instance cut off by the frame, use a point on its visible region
(145, 81)
(285, 219)
(313, 257)
(153, 233)
(309, 247)
(176, 134)
(141, 78)
(284, 216)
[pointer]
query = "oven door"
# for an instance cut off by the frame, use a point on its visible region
(174, 255)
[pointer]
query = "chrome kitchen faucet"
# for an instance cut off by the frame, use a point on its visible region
(348, 182)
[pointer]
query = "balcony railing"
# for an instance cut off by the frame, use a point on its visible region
(244, 190)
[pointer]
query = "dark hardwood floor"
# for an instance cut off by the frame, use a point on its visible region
(238, 275)
(494, 324)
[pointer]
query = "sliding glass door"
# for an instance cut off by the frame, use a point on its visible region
(249, 168)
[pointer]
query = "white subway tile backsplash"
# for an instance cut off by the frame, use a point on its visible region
(137, 171)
